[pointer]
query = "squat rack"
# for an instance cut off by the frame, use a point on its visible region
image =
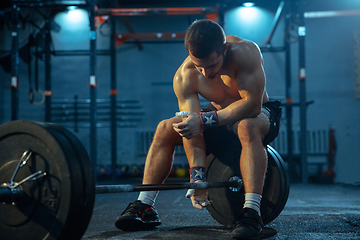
(93, 14)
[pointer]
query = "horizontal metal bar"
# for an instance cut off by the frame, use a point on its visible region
(65, 101)
(106, 107)
(60, 112)
(84, 113)
(155, 41)
(99, 119)
(98, 125)
(323, 14)
(52, 3)
(78, 52)
(139, 36)
(155, 11)
(169, 186)
(296, 104)
(324, 154)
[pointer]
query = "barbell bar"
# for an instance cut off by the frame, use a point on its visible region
(12, 192)
(167, 186)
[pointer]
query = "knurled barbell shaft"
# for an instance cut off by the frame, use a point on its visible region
(170, 186)
(7, 194)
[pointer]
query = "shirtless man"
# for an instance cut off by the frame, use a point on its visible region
(227, 71)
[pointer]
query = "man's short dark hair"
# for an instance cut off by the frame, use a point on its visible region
(203, 37)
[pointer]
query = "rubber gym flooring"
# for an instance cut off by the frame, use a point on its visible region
(312, 212)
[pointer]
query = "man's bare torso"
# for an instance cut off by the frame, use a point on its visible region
(225, 88)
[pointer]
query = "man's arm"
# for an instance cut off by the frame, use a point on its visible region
(250, 78)
(185, 84)
(185, 89)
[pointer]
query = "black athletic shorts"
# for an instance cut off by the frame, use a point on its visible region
(223, 137)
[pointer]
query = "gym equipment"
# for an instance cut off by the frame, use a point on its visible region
(47, 184)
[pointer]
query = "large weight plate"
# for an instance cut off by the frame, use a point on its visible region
(227, 205)
(51, 205)
(276, 186)
(88, 177)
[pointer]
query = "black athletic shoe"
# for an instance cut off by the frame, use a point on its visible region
(248, 225)
(138, 217)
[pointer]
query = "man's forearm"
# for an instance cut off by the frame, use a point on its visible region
(195, 151)
(237, 111)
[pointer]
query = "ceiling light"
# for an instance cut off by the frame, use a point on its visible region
(248, 4)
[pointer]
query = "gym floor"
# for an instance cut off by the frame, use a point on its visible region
(312, 212)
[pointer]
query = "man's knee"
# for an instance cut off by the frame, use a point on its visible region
(165, 131)
(166, 125)
(248, 131)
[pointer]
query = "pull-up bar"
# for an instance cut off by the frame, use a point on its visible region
(155, 11)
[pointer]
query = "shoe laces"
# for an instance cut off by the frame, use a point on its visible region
(137, 210)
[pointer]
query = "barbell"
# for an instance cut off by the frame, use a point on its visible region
(47, 183)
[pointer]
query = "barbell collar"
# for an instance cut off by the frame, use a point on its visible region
(10, 195)
(170, 186)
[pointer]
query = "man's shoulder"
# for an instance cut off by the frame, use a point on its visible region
(186, 79)
(244, 51)
(241, 44)
(186, 68)
(235, 39)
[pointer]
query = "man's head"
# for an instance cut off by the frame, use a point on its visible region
(206, 43)
(204, 37)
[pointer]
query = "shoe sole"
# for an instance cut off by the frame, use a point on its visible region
(242, 237)
(131, 225)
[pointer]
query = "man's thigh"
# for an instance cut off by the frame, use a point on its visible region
(260, 123)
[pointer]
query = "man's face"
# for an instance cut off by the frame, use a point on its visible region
(209, 67)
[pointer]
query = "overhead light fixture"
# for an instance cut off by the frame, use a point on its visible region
(71, 8)
(74, 19)
(248, 4)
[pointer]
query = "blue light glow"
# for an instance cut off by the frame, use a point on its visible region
(248, 4)
(248, 15)
(73, 19)
(74, 29)
(252, 23)
(71, 8)
(77, 16)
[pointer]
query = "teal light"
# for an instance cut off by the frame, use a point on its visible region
(248, 4)
(70, 8)
(251, 23)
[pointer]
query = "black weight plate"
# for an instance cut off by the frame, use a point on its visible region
(88, 177)
(75, 224)
(226, 204)
(50, 203)
(276, 188)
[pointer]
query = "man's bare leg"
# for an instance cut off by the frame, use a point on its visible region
(253, 163)
(253, 159)
(160, 156)
(141, 214)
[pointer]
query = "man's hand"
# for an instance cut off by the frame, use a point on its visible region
(191, 126)
(199, 198)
